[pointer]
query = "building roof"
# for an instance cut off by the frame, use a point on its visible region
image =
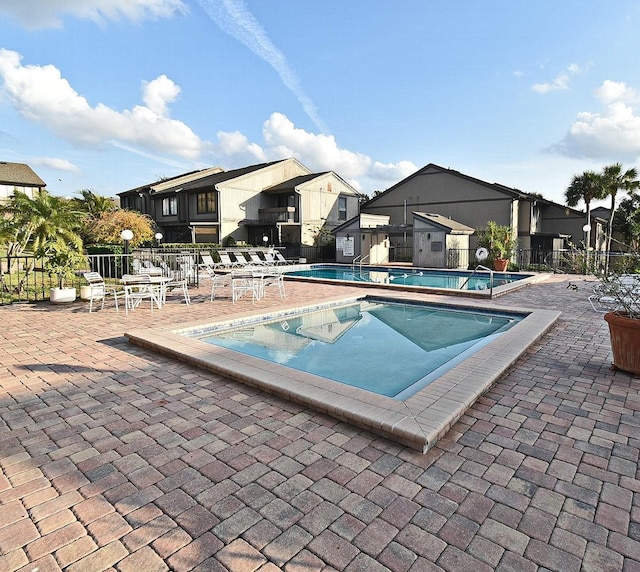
(291, 184)
(512, 192)
(19, 174)
(210, 176)
(446, 223)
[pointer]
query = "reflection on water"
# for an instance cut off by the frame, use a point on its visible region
(376, 345)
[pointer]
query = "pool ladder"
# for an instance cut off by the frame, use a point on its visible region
(480, 267)
(360, 261)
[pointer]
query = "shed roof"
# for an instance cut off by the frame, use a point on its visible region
(19, 174)
(446, 223)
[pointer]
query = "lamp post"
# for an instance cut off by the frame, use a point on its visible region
(265, 239)
(158, 238)
(587, 230)
(126, 235)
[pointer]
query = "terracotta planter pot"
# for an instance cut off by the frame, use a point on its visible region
(625, 342)
(500, 264)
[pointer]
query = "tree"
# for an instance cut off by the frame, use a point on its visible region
(586, 188)
(94, 206)
(614, 180)
(109, 225)
(33, 223)
(626, 221)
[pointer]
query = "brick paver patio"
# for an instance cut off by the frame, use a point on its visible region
(115, 458)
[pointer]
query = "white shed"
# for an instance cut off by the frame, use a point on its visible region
(434, 236)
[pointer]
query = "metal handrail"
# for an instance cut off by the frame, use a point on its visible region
(490, 278)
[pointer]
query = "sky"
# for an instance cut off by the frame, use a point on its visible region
(109, 95)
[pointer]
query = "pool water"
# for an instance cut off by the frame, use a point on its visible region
(442, 279)
(390, 348)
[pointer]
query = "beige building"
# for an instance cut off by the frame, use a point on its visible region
(282, 202)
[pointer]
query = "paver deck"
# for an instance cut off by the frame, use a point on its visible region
(117, 458)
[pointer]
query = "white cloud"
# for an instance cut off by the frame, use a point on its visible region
(47, 13)
(43, 96)
(612, 91)
(613, 133)
(319, 152)
(55, 163)
(237, 145)
(559, 83)
(233, 18)
(157, 94)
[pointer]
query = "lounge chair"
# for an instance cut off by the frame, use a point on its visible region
(98, 290)
(281, 259)
(225, 260)
(207, 260)
(255, 258)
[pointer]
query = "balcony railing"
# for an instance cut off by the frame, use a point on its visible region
(278, 214)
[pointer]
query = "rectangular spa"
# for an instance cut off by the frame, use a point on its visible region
(418, 411)
(352, 344)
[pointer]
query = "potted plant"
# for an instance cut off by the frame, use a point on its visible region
(63, 261)
(617, 294)
(500, 244)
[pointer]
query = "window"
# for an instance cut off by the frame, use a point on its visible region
(342, 208)
(170, 206)
(206, 202)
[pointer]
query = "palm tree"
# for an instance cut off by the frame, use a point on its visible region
(39, 223)
(614, 180)
(586, 188)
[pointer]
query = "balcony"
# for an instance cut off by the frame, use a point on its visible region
(278, 214)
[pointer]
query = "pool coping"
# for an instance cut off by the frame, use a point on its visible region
(531, 278)
(417, 422)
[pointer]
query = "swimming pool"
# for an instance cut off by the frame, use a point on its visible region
(461, 282)
(425, 341)
(417, 421)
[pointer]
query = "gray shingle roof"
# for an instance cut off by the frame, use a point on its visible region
(19, 174)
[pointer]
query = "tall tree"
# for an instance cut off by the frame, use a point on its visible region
(43, 219)
(615, 179)
(627, 221)
(586, 188)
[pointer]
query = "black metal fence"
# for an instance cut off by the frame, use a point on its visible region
(24, 279)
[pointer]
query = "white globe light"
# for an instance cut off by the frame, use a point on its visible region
(158, 236)
(126, 234)
(586, 228)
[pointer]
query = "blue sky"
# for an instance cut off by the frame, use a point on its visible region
(111, 94)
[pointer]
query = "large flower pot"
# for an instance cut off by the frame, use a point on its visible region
(625, 341)
(500, 264)
(62, 295)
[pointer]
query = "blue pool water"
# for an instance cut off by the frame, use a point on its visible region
(390, 348)
(441, 279)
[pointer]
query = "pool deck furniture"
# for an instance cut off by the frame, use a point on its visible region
(139, 287)
(99, 290)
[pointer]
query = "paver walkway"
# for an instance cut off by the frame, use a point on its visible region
(114, 458)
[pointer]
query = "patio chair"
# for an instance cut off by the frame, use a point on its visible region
(220, 280)
(98, 290)
(176, 282)
(138, 287)
(243, 282)
(275, 280)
